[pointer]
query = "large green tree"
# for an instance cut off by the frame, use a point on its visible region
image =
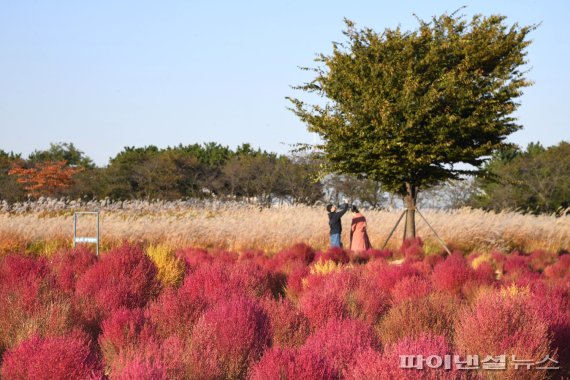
(404, 107)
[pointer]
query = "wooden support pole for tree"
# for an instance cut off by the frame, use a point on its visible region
(435, 233)
(405, 224)
(394, 229)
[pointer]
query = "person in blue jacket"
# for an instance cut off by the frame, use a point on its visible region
(335, 223)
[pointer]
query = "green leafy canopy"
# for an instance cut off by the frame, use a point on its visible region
(403, 108)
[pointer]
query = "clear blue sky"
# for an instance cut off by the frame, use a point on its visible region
(108, 74)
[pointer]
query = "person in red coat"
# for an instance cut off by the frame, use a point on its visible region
(359, 241)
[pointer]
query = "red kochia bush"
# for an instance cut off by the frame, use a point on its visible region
(193, 257)
(119, 332)
(339, 342)
(410, 288)
(153, 359)
(214, 282)
(297, 272)
(293, 364)
(63, 357)
(426, 346)
(379, 253)
(451, 274)
(26, 278)
(297, 253)
(516, 262)
(124, 277)
(369, 365)
(290, 328)
(386, 276)
(175, 312)
(69, 265)
(338, 255)
(559, 270)
(325, 296)
(553, 305)
(413, 249)
(228, 339)
(500, 324)
(30, 302)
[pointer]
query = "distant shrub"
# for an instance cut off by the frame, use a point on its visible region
(62, 357)
(297, 253)
(291, 364)
(339, 342)
(170, 268)
(123, 278)
(559, 270)
(503, 324)
(228, 338)
(193, 257)
(540, 259)
(413, 318)
(323, 267)
(515, 262)
(290, 328)
(338, 255)
(379, 253)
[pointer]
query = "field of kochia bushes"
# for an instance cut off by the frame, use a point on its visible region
(155, 313)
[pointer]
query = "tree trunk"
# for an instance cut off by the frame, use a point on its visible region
(410, 205)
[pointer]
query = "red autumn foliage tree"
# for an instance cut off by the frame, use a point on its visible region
(45, 178)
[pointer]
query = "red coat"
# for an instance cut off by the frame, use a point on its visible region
(359, 241)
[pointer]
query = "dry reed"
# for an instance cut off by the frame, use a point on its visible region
(239, 227)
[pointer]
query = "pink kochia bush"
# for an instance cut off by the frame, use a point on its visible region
(410, 288)
(413, 249)
(371, 365)
(293, 364)
(68, 266)
(175, 312)
(297, 314)
(289, 327)
(63, 357)
(503, 323)
(339, 342)
(451, 274)
(152, 359)
(123, 278)
(30, 302)
(229, 338)
(120, 332)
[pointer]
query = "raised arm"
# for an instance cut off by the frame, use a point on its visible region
(343, 210)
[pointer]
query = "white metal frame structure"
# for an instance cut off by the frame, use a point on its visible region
(85, 239)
